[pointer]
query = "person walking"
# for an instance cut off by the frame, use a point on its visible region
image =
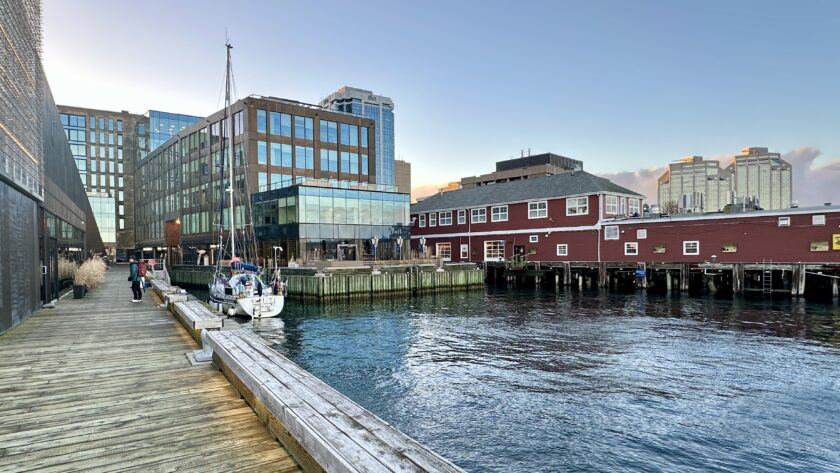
(134, 277)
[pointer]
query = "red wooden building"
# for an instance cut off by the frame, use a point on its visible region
(579, 217)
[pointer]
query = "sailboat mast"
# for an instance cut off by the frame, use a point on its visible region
(230, 151)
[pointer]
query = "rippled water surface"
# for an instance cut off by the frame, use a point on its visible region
(544, 381)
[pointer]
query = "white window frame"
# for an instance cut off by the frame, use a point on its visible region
(784, 221)
(422, 220)
(687, 243)
(494, 245)
(465, 251)
(534, 210)
(439, 251)
(631, 248)
(462, 217)
(445, 217)
(610, 229)
(500, 208)
(611, 205)
(562, 249)
(433, 219)
(634, 207)
(533, 238)
(641, 234)
(478, 215)
(574, 203)
(818, 219)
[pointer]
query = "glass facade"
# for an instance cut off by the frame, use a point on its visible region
(379, 108)
(306, 218)
(165, 125)
(103, 208)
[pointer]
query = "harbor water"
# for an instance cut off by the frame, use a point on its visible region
(531, 380)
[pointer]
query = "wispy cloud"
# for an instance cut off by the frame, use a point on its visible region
(642, 181)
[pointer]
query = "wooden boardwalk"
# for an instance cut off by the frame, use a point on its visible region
(103, 384)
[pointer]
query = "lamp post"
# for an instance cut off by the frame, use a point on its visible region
(374, 241)
(200, 257)
(399, 246)
(276, 249)
(422, 246)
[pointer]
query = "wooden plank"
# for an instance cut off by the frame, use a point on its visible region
(102, 384)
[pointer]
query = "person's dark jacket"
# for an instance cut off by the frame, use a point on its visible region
(134, 272)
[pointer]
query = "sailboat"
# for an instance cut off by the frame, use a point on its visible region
(235, 287)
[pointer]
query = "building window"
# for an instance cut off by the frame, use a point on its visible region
(729, 248)
(478, 215)
(422, 220)
(304, 157)
(261, 152)
(364, 165)
(533, 238)
(462, 217)
(818, 220)
(537, 209)
(784, 221)
(445, 218)
(691, 248)
(444, 251)
(494, 250)
(329, 131)
(635, 210)
(303, 128)
(281, 154)
(612, 205)
(329, 160)
(349, 135)
(499, 213)
(562, 249)
(260, 121)
(577, 206)
(281, 124)
(364, 137)
(611, 232)
(819, 246)
(641, 234)
(432, 219)
(631, 248)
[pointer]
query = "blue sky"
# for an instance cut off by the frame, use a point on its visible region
(624, 86)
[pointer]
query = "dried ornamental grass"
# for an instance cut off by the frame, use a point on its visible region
(66, 269)
(91, 273)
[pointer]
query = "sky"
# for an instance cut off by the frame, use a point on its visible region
(626, 87)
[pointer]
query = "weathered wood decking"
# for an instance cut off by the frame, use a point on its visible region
(103, 384)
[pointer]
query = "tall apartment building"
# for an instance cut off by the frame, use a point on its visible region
(403, 176)
(106, 145)
(693, 184)
(379, 108)
(304, 172)
(525, 167)
(44, 214)
(762, 177)
(755, 178)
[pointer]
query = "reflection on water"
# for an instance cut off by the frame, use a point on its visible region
(544, 381)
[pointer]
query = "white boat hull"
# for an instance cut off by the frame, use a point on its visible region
(260, 307)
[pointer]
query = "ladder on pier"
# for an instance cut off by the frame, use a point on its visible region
(767, 278)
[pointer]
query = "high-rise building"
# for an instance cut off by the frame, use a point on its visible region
(106, 146)
(381, 110)
(693, 184)
(763, 178)
(44, 214)
(403, 176)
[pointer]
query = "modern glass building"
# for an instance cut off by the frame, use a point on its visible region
(277, 144)
(323, 220)
(763, 178)
(379, 108)
(157, 128)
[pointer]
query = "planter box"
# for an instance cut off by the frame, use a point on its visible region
(79, 291)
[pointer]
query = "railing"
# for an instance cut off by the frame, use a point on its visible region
(327, 183)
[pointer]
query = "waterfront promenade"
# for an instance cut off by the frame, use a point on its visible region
(104, 384)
